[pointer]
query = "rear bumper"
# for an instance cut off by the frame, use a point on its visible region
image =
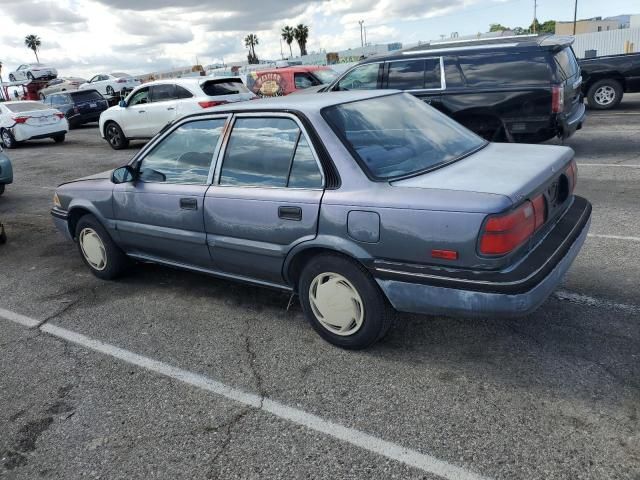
(32, 132)
(516, 291)
(570, 123)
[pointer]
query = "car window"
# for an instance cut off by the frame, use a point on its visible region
(363, 77)
(304, 80)
(567, 64)
(505, 69)
(182, 92)
(229, 86)
(414, 74)
(398, 135)
(260, 152)
(304, 170)
(93, 79)
(54, 82)
(86, 95)
(184, 156)
(452, 73)
(162, 93)
(140, 97)
(24, 107)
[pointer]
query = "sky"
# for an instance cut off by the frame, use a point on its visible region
(86, 37)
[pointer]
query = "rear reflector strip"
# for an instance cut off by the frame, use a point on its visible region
(444, 254)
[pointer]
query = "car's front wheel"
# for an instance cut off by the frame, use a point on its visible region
(343, 303)
(7, 139)
(100, 253)
(605, 94)
(110, 91)
(115, 136)
(12, 78)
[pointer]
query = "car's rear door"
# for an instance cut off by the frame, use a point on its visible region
(422, 77)
(265, 197)
(160, 215)
(162, 108)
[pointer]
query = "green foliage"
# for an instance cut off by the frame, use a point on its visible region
(301, 34)
(288, 35)
(33, 42)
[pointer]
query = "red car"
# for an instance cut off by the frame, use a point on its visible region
(277, 82)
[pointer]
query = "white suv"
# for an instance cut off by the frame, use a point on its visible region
(155, 104)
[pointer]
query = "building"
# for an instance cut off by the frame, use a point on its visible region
(589, 25)
(634, 21)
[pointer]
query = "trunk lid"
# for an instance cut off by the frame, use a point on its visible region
(513, 170)
(36, 118)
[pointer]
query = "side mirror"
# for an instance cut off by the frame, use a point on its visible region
(122, 104)
(123, 174)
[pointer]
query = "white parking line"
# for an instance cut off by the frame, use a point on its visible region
(606, 165)
(614, 237)
(393, 451)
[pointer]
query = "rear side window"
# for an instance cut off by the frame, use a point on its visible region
(566, 63)
(214, 88)
(185, 155)
(86, 95)
(414, 74)
(515, 68)
(162, 93)
(269, 152)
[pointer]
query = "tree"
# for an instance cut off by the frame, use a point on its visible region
(288, 36)
(250, 41)
(548, 27)
(496, 27)
(33, 42)
(301, 34)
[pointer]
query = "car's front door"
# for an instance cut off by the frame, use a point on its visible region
(265, 198)
(160, 214)
(134, 117)
(162, 108)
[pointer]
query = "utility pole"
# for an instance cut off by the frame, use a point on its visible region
(575, 16)
(365, 36)
(535, 6)
(361, 22)
(281, 53)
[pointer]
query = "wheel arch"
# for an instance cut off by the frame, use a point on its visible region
(596, 77)
(78, 210)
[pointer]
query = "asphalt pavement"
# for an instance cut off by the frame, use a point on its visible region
(169, 374)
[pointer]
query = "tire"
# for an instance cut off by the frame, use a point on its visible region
(110, 91)
(29, 76)
(7, 139)
(3, 235)
(98, 251)
(115, 136)
(605, 94)
(59, 138)
(12, 78)
(1, 188)
(331, 281)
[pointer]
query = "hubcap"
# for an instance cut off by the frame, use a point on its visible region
(6, 139)
(605, 95)
(93, 249)
(114, 136)
(336, 304)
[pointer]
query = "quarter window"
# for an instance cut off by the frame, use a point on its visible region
(269, 152)
(182, 92)
(185, 155)
(363, 77)
(505, 69)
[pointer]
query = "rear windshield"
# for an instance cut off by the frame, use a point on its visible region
(567, 64)
(86, 95)
(25, 106)
(213, 88)
(325, 76)
(398, 135)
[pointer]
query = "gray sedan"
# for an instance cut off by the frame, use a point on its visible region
(359, 202)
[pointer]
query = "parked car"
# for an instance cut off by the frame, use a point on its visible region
(27, 120)
(276, 82)
(6, 171)
(150, 107)
(33, 71)
(607, 79)
(356, 201)
(79, 107)
(61, 85)
(523, 89)
(111, 84)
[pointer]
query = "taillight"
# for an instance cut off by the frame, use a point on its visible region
(572, 173)
(506, 232)
(557, 98)
(20, 119)
(60, 115)
(211, 103)
(121, 80)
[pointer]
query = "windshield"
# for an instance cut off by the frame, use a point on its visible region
(86, 95)
(325, 76)
(567, 63)
(25, 107)
(398, 135)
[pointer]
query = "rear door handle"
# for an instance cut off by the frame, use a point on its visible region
(188, 204)
(290, 213)
(141, 111)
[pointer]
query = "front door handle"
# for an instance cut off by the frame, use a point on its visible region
(171, 108)
(290, 213)
(141, 111)
(188, 204)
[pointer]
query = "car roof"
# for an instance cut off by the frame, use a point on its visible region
(310, 103)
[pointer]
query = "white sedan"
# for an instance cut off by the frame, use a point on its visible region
(155, 104)
(33, 71)
(20, 121)
(111, 84)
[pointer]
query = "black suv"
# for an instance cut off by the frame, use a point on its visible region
(523, 89)
(79, 106)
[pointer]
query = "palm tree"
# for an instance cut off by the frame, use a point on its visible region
(250, 41)
(288, 36)
(301, 34)
(33, 42)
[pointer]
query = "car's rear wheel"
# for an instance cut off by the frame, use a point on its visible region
(99, 252)
(7, 138)
(605, 94)
(1, 188)
(12, 78)
(110, 91)
(59, 138)
(115, 136)
(343, 303)
(29, 76)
